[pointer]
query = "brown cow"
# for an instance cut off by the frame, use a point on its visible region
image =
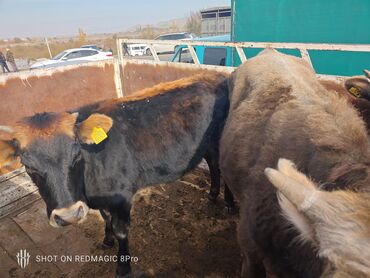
(337, 222)
(278, 108)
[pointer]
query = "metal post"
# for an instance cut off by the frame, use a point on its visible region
(193, 54)
(306, 56)
(154, 52)
(47, 44)
(233, 32)
(119, 74)
(241, 54)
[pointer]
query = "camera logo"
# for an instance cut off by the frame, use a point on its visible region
(23, 258)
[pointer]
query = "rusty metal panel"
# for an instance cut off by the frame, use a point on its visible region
(138, 75)
(26, 93)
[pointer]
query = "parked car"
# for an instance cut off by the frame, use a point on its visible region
(73, 56)
(92, 46)
(163, 48)
(136, 49)
(207, 55)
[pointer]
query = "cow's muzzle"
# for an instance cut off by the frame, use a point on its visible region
(65, 216)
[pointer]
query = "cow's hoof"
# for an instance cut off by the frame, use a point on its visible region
(106, 244)
(231, 209)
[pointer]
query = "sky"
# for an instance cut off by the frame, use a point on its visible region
(40, 18)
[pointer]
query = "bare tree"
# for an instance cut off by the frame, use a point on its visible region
(174, 27)
(193, 23)
(147, 32)
(81, 36)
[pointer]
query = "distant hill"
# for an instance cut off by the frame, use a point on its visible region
(177, 23)
(180, 22)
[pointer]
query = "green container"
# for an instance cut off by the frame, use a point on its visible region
(303, 21)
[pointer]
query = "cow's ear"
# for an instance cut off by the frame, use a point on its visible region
(359, 87)
(95, 128)
(8, 153)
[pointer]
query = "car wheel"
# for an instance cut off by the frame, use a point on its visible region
(148, 52)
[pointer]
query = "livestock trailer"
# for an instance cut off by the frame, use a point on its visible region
(215, 21)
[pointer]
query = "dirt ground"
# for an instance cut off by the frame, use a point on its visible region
(175, 232)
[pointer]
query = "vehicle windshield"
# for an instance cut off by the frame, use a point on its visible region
(60, 55)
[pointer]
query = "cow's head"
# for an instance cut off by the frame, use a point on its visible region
(359, 86)
(336, 222)
(49, 146)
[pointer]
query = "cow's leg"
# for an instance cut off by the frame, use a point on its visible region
(212, 157)
(229, 199)
(120, 224)
(108, 241)
(252, 266)
(212, 160)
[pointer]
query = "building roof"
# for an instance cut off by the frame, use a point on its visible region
(214, 9)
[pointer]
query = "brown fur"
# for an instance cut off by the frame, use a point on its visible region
(280, 109)
(6, 153)
(161, 88)
(36, 128)
(335, 86)
(28, 129)
(361, 104)
(32, 128)
(10, 166)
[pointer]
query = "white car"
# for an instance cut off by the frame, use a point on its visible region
(73, 56)
(163, 48)
(93, 46)
(137, 49)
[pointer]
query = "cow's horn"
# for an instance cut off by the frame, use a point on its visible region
(75, 114)
(6, 129)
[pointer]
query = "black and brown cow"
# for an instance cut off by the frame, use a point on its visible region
(100, 156)
(278, 108)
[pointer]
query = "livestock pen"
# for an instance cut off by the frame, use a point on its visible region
(178, 233)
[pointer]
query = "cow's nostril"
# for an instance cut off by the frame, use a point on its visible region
(80, 212)
(60, 221)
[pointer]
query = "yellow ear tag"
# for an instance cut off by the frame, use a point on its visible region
(354, 91)
(98, 135)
